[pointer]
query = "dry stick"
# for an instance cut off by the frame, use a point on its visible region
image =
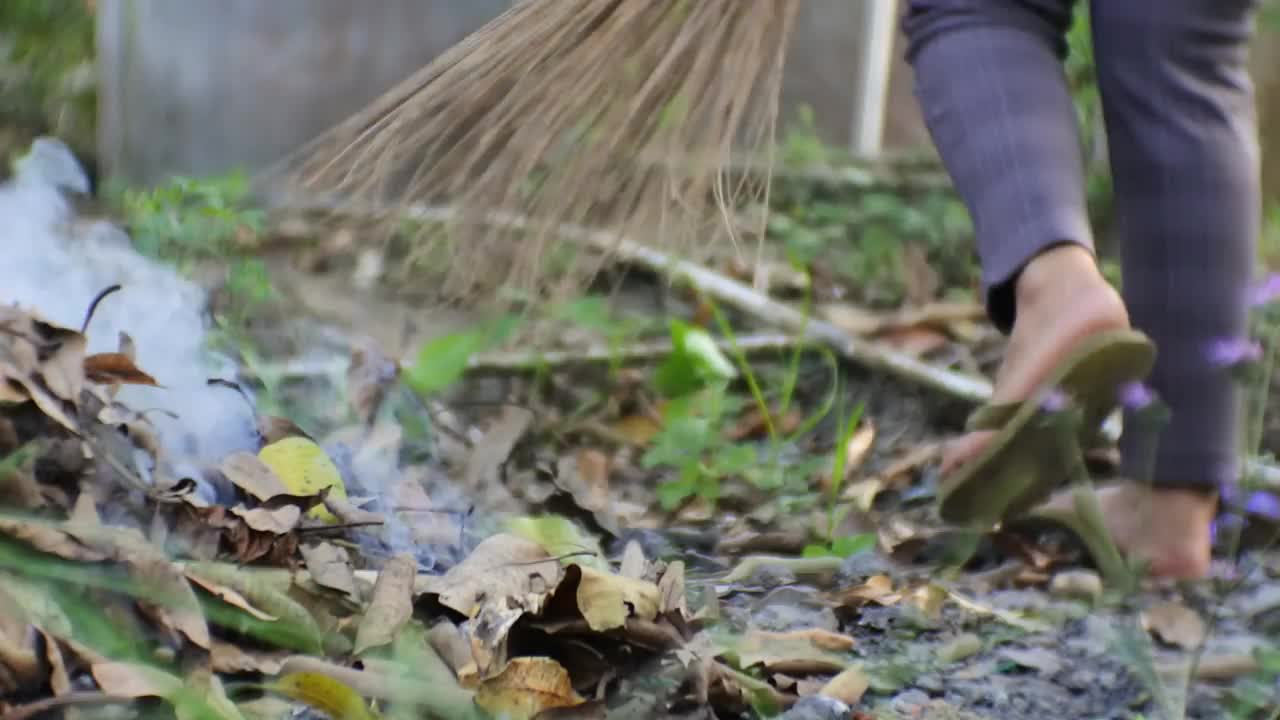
(532, 360)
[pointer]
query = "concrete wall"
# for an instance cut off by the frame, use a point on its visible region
(200, 86)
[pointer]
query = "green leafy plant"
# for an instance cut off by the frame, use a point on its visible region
(188, 219)
(442, 361)
(46, 67)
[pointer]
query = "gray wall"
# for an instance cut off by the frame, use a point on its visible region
(202, 86)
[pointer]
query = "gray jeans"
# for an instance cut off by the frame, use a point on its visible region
(1182, 136)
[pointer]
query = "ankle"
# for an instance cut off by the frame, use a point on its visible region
(1062, 270)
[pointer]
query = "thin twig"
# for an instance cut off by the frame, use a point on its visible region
(93, 306)
(89, 697)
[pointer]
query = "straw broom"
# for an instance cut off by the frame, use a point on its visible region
(560, 116)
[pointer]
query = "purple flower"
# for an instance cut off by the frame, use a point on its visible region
(1266, 291)
(1136, 396)
(1054, 401)
(1227, 353)
(1265, 504)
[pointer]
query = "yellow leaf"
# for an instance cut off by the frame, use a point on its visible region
(324, 694)
(848, 687)
(526, 687)
(607, 600)
(305, 469)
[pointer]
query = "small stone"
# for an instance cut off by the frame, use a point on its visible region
(817, 707)
(909, 701)
(930, 683)
(960, 647)
(1077, 584)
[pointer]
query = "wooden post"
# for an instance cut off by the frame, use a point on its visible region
(881, 23)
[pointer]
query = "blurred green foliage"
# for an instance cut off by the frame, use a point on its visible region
(46, 71)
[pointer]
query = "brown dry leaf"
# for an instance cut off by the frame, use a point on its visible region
(347, 513)
(230, 596)
(607, 601)
(1042, 660)
(369, 376)
(819, 638)
(277, 522)
(584, 474)
(752, 425)
(51, 539)
(790, 654)
(914, 341)
(59, 678)
(852, 319)
(633, 564)
(899, 472)
(169, 596)
(247, 471)
(671, 590)
(639, 430)
(487, 636)
(502, 568)
(450, 644)
(134, 680)
(877, 589)
(20, 664)
(526, 687)
(233, 659)
(490, 453)
(920, 279)
(1175, 624)
(330, 567)
(427, 524)
(115, 369)
(859, 446)
(848, 687)
(391, 605)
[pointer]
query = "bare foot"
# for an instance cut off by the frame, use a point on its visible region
(1167, 529)
(1062, 298)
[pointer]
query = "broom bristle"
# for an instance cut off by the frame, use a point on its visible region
(561, 115)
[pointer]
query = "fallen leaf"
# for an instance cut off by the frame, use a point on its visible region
(1042, 660)
(633, 564)
(164, 589)
(277, 522)
(490, 453)
(391, 605)
(819, 638)
(59, 678)
(249, 473)
(330, 567)
(848, 687)
(584, 474)
(502, 567)
(788, 654)
(295, 624)
(450, 644)
(370, 375)
(1175, 624)
(115, 369)
(607, 601)
(877, 589)
(753, 425)
(134, 680)
(325, 694)
(921, 281)
(562, 538)
(959, 648)
(852, 319)
(305, 470)
(227, 658)
(639, 430)
(671, 590)
(859, 447)
(526, 687)
(914, 341)
(349, 514)
(50, 539)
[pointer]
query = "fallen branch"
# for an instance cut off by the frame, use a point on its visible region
(532, 360)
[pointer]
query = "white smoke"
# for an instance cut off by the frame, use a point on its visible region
(55, 264)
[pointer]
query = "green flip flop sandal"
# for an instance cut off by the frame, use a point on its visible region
(1023, 463)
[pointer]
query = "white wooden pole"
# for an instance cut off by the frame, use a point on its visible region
(880, 19)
